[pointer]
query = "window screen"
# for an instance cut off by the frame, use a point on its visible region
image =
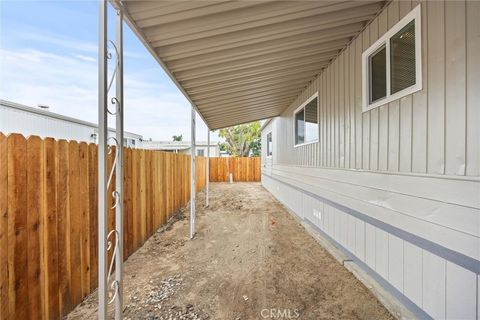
(269, 144)
(402, 58)
(306, 123)
(311, 121)
(299, 127)
(378, 75)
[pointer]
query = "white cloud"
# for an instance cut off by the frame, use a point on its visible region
(85, 58)
(69, 86)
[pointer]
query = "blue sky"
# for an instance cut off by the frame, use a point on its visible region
(48, 55)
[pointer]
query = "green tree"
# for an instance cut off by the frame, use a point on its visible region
(242, 140)
(178, 138)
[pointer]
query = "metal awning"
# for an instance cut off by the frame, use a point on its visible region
(239, 61)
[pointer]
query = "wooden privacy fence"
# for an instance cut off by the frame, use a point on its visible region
(242, 169)
(48, 217)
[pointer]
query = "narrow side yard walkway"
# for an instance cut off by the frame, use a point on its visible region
(249, 260)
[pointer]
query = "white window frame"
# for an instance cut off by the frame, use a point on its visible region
(303, 105)
(416, 15)
(269, 155)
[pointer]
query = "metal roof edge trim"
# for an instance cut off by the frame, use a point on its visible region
(266, 123)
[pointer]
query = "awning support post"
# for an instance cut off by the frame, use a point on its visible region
(110, 289)
(207, 167)
(102, 160)
(119, 168)
(192, 176)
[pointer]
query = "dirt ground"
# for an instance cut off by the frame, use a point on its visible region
(250, 259)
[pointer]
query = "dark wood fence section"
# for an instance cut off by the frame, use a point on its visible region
(241, 168)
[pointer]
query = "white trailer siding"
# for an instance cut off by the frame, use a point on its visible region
(16, 118)
(397, 186)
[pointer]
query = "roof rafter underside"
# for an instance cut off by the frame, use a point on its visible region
(240, 61)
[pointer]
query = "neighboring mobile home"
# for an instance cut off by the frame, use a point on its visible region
(201, 147)
(380, 154)
(19, 118)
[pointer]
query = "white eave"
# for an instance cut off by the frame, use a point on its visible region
(240, 61)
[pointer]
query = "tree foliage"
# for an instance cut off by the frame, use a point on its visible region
(242, 140)
(177, 138)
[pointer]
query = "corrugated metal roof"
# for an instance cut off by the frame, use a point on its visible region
(239, 61)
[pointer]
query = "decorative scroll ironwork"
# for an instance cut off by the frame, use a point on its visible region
(117, 146)
(117, 63)
(113, 244)
(112, 284)
(116, 103)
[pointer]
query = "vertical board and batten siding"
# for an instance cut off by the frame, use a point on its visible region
(430, 131)
(397, 186)
(49, 224)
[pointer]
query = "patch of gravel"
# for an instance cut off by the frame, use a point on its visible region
(177, 313)
(166, 290)
(157, 306)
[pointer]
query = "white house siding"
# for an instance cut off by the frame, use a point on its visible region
(397, 186)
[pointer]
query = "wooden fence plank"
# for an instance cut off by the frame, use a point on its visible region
(128, 213)
(3, 228)
(17, 227)
(163, 180)
(75, 222)
(258, 169)
(135, 199)
(186, 165)
(85, 221)
(63, 228)
(49, 238)
(155, 190)
(168, 168)
(93, 213)
(35, 199)
(142, 213)
(178, 180)
(146, 173)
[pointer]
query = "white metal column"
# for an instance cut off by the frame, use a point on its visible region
(102, 160)
(207, 167)
(119, 168)
(192, 176)
(110, 288)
